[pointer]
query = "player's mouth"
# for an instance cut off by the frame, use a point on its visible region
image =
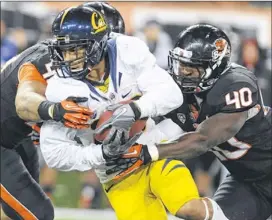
(76, 69)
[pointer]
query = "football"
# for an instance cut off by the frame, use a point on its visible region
(136, 127)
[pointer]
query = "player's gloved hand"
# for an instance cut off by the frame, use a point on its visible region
(117, 137)
(121, 121)
(111, 152)
(136, 156)
(68, 111)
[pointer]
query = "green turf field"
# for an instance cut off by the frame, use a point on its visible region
(67, 191)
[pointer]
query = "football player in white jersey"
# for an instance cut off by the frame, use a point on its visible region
(48, 176)
(117, 26)
(107, 72)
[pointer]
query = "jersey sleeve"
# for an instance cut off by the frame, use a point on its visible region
(160, 93)
(62, 152)
(234, 94)
(162, 132)
(28, 72)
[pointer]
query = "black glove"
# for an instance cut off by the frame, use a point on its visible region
(115, 151)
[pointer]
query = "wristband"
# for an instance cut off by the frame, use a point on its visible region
(44, 110)
(153, 151)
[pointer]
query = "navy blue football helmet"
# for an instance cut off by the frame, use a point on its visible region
(82, 31)
(201, 50)
(114, 18)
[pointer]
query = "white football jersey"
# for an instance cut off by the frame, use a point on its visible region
(133, 72)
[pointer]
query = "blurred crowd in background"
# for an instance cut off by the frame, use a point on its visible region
(25, 23)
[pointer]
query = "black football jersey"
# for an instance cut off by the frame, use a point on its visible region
(14, 129)
(248, 155)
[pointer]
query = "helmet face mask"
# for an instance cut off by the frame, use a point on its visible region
(75, 52)
(76, 59)
(197, 61)
(187, 76)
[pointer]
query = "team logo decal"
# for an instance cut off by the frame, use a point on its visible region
(98, 23)
(221, 45)
(181, 117)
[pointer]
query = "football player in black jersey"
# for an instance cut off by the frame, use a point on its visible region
(23, 83)
(222, 112)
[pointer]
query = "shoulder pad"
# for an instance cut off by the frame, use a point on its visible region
(41, 60)
(36, 54)
(236, 90)
(131, 50)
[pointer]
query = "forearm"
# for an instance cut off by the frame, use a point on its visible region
(61, 152)
(189, 145)
(210, 133)
(71, 157)
(27, 106)
(29, 96)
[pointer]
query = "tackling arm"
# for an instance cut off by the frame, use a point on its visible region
(211, 132)
(31, 103)
(30, 95)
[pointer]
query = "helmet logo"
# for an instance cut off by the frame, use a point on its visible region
(98, 23)
(220, 45)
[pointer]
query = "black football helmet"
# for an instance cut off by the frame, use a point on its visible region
(201, 54)
(114, 18)
(83, 32)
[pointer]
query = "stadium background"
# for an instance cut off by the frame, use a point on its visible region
(248, 25)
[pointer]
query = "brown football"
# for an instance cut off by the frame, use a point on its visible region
(136, 127)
